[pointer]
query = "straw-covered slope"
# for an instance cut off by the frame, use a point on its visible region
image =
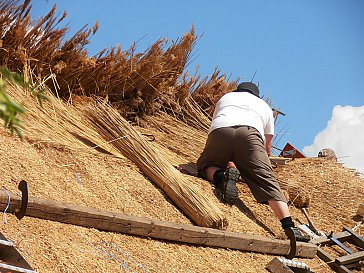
(79, 175)
(64, 158)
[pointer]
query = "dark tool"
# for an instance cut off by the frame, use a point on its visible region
(292, 250)
(23, 187)
(294, 236)
(293, 243)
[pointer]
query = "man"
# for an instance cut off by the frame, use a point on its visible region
(239, 143)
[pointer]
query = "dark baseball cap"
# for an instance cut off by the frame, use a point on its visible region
(248, 87)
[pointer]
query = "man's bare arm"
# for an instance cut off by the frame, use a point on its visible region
(268, 143)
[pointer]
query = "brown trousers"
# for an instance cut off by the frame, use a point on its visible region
(244, 146)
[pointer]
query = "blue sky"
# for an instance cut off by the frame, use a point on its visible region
(309, 55)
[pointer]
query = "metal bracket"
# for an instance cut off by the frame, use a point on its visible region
(23, 187)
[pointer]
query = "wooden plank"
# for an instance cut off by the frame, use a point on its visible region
(276, 266)
(331, 262)
(116, 222)
(354, 265)
(6, 243)
(279, 160)
(352, 258)
(9, 255)
(283, 265)
(340, 268)
(12, 268)
(355, 238)
(324, 240)
(324, 256)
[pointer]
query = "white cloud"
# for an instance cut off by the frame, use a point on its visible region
(345, 135)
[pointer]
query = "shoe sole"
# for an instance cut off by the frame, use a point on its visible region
(231, 191)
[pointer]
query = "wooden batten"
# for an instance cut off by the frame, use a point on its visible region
(140, 226)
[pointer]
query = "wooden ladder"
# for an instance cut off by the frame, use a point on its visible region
(11, 261)
(354, 258)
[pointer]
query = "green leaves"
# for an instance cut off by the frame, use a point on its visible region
(9, 109)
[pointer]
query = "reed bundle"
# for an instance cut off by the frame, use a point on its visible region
(116, 130)
(298, 195)
(136, 84)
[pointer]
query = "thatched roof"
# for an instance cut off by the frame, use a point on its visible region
(63, 158)
(77, 174)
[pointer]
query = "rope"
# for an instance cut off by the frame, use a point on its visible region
(7, 207)
(111, 251)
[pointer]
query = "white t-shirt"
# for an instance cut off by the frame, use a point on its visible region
(243, 108)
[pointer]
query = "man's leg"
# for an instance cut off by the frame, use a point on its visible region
(252, 160)
(279, 208)
(209, 173)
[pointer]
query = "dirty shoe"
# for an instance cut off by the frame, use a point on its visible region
(229, 190)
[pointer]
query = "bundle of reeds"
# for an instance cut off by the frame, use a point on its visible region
(116, 130)
(137, 85)
(297, 194)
